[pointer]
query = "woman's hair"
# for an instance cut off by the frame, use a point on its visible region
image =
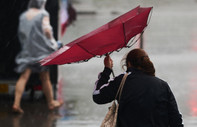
(39, 4)
(139, 59)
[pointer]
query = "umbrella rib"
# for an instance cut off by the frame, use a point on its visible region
(124, 34)
(86, 50)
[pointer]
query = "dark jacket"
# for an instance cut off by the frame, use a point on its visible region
(146, 101)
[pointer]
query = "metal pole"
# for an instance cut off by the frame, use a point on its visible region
(141, 42)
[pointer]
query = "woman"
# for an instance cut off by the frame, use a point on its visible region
(37, 41)
(146, 100)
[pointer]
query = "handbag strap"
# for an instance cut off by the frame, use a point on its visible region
(121, 86)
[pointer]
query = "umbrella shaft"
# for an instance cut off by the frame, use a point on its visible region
(113, 74)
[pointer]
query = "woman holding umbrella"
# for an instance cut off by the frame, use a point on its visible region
(37, 41)
(146, 100)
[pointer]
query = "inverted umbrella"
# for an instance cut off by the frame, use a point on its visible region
(108, 38)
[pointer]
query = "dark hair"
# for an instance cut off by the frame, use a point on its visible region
(139, 59)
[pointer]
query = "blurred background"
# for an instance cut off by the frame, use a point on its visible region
(170, 40)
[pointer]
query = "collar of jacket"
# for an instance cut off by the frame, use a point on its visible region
(134, 70)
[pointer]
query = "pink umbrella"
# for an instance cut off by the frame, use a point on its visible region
(108, 38)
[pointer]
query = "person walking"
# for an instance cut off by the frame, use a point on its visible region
(146, 100)
(36, 37)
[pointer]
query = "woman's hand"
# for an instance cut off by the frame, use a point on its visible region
(108, 62)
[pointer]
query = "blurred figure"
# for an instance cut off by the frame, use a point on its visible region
(67, 15)
(37, 41)
(146, 100)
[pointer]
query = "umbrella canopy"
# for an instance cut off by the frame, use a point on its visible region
(105, 39)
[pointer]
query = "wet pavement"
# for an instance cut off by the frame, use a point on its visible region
(170, 41)
(36, 114)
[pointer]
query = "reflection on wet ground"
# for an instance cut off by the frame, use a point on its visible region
(193, 94)
(36, 113)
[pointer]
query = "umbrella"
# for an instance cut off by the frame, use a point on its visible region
(110, 37)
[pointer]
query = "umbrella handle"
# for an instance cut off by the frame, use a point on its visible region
(113, 73)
